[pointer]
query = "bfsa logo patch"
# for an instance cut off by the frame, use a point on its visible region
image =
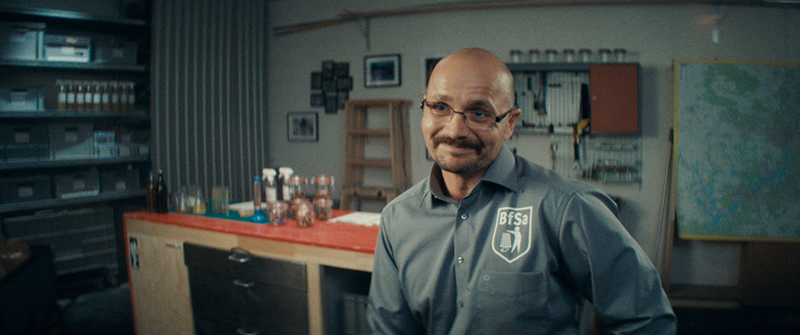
(511, 238)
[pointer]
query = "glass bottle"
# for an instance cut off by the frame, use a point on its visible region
(80, 95)
(106, 96)
(62, 95)
(131, 96)
(162, 194)
(258, 213)
(97, 98)
(151, 192)
(70, 95)
(88, 98)
(114, 88)
(123, 96)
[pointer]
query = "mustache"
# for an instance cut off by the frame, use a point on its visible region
(457, 142)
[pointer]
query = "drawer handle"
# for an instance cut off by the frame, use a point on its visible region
(241, 331)
(239, 255)
(238, 282)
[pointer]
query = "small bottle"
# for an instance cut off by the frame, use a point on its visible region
(131, 96)
(199, 206)
(151, 192)
(70, 95)
(106, 98)
(80, 95)
(114, 88)
(61, 101)
(123, 96)
(97, 98)
(88, 95)
(162, 194)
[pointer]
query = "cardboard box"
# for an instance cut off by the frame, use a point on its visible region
(71, 141)
(22, 41)
(78, 184)
(67, 48)
(22, 99)
(28, 188)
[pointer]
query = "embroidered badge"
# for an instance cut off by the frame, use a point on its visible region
(512, 233)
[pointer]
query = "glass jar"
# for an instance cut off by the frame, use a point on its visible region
(324, 186)
(322, 208)
(297, 185)
(303, 213)
(278, 212)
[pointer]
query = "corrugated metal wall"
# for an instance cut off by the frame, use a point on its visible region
(208, 107)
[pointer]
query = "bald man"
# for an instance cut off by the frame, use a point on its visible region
(491, 243)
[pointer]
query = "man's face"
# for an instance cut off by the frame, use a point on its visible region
(457, 145)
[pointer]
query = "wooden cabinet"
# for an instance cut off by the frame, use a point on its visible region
(160, 291)
(158, 276)
(292, 282)
(614, 92)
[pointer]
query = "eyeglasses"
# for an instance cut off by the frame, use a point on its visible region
(475, 118)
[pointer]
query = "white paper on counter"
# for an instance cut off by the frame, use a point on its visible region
(359, 218)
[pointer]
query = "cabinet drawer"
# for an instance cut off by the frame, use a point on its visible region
(240, 264)
(233, 290)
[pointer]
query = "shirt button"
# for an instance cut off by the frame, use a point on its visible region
(460, 259)
(464, 216)
(460, 304)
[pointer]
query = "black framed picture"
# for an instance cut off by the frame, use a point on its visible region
(302, 126)
(316, 80)
(331, 104)
(382, 71)
(317, 99)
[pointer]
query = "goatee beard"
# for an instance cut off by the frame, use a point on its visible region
(466, 167)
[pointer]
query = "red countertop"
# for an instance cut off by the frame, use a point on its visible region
(325, 234)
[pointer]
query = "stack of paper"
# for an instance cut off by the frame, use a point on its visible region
(359, 218)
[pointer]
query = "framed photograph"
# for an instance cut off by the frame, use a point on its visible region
(382, 71)
(302, 126)
(318, 99)
(316, 80)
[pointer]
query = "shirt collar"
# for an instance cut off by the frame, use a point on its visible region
(501, 172)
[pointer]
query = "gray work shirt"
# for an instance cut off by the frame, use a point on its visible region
(516, 256)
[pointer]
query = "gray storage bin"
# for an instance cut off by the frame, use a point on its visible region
(71, 141)
(21, 99)
(21, 40)
(77, 184)
(81, 239)
(28, 188)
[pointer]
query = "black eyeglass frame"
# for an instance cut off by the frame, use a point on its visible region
(497, 118)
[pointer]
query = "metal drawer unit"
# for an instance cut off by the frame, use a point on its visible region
(81, 240)
(233, 291)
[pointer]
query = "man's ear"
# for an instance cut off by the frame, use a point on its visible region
(512, 118)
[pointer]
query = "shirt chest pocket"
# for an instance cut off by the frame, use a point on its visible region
(512, 299)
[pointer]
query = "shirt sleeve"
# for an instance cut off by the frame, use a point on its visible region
(610, 269)
(387, 309)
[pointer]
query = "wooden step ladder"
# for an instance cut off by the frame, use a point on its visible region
(356, 162)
